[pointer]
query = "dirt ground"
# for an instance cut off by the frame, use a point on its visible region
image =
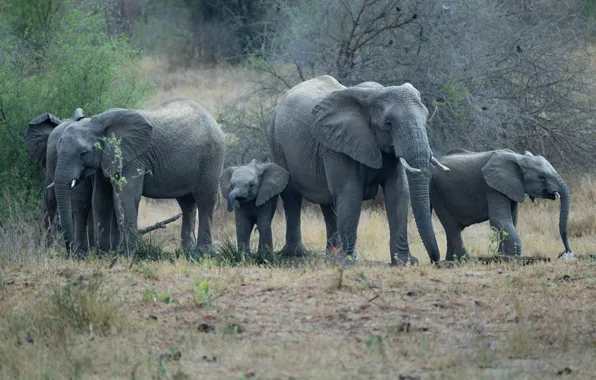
(317, 321)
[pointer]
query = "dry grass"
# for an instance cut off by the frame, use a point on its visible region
(308, 320)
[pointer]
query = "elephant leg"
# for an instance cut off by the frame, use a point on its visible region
(90, 229)
(263, 221)
(500, 217)
(189, 222)
(206, 206)
(104, 216)
(293, 209)
(48, 210)
(331, 226)
(453, 230)
(127, 210)
(130, 201)
(346, 188)
(244, 226)
(514, 213)
(397, 199)
(81, 217)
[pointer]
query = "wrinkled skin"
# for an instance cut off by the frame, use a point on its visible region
(489, 185)
(40, 140)
(173, 150)
(255, 188)
(340, 144)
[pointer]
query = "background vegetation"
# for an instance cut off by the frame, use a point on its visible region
(493, 73)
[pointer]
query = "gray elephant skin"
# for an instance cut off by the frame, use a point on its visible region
(255, 187)
(340, 144)
(489, 186)
(40, 141)
(172, 150)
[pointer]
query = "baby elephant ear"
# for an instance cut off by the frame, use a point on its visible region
(225, 181)
(503, 173)
(36, 138)
(273, 181)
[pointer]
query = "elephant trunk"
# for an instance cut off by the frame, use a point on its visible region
(63, 199)
(564, 213)
(419, 197)
(418, 154)
(231, 197)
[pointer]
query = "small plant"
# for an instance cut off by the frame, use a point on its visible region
(204, 294)
(496, 240)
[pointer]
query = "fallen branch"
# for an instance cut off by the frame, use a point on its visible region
(159, 225)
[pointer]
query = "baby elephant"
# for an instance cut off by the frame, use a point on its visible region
(255, 187)
(489, 185)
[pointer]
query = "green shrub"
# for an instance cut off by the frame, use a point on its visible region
(79, 65)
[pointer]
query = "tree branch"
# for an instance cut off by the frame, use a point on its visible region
(159, 225)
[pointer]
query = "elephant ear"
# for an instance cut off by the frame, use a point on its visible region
(273, 181)
(225, 181)
(342, 124)
(528, 153)
(503, 173)
(78, 114)
(36, 138)
(130, 128)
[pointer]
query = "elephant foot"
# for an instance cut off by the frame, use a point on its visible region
(294, 250)
(202, 249)
(404, 260)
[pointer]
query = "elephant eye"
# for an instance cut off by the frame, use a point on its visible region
(84, 154)
(542, 176)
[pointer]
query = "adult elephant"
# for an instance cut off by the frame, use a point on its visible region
(489, 186)
(339, 144)
(172, 150)
(40, 141)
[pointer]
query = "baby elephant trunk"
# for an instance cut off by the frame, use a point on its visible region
(231, 197)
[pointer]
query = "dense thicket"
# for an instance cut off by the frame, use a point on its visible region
(493, 73)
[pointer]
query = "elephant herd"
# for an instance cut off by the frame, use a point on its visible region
(330, 144)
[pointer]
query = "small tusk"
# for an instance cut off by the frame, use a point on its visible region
(438, 164)
(74, 182)
(404, 163)
(557, 195)
(50, 185)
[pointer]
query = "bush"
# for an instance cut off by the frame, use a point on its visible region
(79, 65)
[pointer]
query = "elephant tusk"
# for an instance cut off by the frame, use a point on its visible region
(438, 164)
(74, 182)
(404, 163)
(557, 195)
(50, 185)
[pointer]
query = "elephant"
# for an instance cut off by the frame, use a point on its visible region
(40, 141)
(489, 186)
(339, 144)
(174, 149)
(255, 187)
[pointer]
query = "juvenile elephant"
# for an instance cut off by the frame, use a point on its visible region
(489, 185)
(255, 187)
(172, 150)
(40, 141)
(339, 144)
